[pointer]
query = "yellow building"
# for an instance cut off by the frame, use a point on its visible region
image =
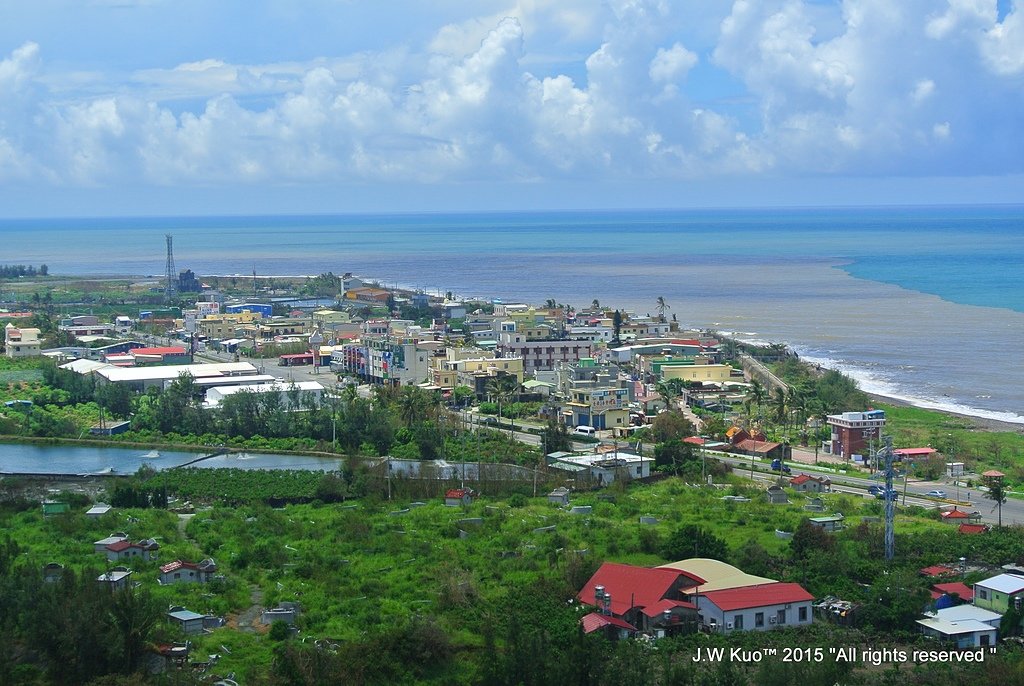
(697, 372)
(473, 367)
(220, 326)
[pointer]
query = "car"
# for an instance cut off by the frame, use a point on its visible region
(584, 430)
(893, 494)
(936, 494)
(778, 465)
(875, 489)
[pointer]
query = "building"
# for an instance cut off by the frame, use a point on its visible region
(559, 496)
(996, 593)
(832, 523)
(98, 510)
(650, 599)
(757, 608)
(21, 342)
(806, 483)
(966, 626)
(541, 355)
(697, 372)
(458, 497)
(180, 571)
(384, 359)
(295, 395)
(116, 578)
(717, 575)
(604, 468)
(852, 432)
(142, 378)
(100, 546)
(189, 622)
(264, 310)
(124, 550)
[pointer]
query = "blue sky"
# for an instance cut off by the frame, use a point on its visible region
(113, 107)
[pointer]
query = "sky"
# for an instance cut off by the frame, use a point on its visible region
(148, 107)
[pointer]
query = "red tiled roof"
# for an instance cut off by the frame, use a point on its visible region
(965, 592)
(758, 596)
(631, 586)
(972, 529)
(936, 570)
(456, 492)
(955, 514)
(914, 452)
(662, 605)
(993, 474)
(757, 446)
(178, 564)
(804, 478)
(695, 440)
(594, 621)
(122, 545)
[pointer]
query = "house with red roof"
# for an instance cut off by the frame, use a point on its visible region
(454, 497)
(181, 571)
(756, 608)
(958, 588)
(958, 516)
(972, 529)
(125, 549)
(811, 484)
(645, 598)
(613, 627)
(936, 570)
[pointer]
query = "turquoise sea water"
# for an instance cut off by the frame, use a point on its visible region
(926, 304)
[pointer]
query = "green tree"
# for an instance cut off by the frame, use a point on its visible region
(691, 540)
(995, 490)
(661, 307)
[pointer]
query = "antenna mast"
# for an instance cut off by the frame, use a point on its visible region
(170, 275)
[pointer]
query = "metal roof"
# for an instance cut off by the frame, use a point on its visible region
(1004, 583)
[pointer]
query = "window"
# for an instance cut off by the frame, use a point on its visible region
(737, 622)
(780, 617)
(983, 594)
(759, 619)
(802, 614)
(638, 471)
(984, 640)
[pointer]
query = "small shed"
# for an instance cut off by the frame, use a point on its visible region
(54, 507)
(100, 546)
(116, 578)
(814, 505)
(830, 523)
(181, 571)
(189, 622)
(98, 510)
(454, 497)
(52, 572)
(776, 495)
(559, 496)
(805, 483)
(285, 612)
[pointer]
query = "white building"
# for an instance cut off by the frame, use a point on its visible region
(965, 625)
(143, 378)
(605, 468)
(756, 608)
(21, 342)
(308, 392)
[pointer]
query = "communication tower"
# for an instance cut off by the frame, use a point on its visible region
(170, 275)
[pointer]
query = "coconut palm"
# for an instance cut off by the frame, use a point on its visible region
(503, 389)
(661, 306)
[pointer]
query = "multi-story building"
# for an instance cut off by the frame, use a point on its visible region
(852, 432)
(386, 360)
(541, 355)
(228, 325)
(473, 367)
(21, 342)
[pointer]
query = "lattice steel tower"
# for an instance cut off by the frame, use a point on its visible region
(171, 276)
(890, 503)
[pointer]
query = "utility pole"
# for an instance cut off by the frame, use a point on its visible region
(890, 503)
(169, 272)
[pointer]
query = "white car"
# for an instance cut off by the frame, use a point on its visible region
(936, 494)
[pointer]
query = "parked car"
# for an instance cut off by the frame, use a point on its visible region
(875, 489)
(893, 494)
(583, 430)
(777, 465)
(936, 494)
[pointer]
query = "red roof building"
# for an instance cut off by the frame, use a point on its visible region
(965, 592)
(912, 453)
(613, 625)
(642, 596)
(972, 529)
(936, 570)
(757, 608)
(955, 514)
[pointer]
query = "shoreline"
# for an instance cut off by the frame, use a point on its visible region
(979, 423)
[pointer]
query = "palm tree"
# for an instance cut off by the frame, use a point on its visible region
(756, 393)
(596, 304)
(504, 388)
(662, 306)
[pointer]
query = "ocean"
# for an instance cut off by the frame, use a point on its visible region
(925, 305)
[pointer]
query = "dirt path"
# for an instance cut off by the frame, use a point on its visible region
(249, 620)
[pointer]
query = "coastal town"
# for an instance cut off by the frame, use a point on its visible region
(672, 483)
